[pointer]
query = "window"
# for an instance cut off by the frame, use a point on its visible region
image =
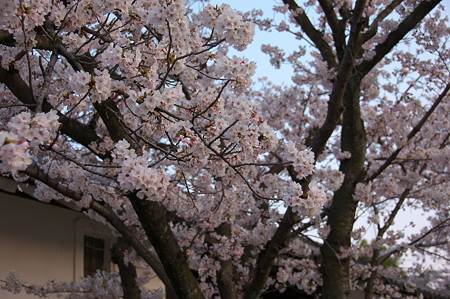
(94, 250)
(92, 246)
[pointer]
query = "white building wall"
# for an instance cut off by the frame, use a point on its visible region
(42, 242)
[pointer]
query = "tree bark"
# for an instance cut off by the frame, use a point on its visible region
(225, 276)
(153, 218)
(128, 273)
(336, 269)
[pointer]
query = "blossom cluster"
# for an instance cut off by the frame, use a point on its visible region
(196, 138)
(146, 100)
(160, 14)
(331, 179)
(136, 175)
(238, 68)
(101, 285)
(308, 204)
(14, 154)
(363, 193)
(35, 129)
(98, 84)
(181, 131)
(229, 25)
(303, 273)
(26, 131)
(303, 161)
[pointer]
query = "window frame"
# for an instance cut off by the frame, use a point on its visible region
(87, 227)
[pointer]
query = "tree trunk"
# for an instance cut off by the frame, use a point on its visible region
(128, 273)
(226, 274)
(335, 269)
(155, 224)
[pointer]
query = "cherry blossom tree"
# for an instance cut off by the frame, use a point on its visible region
(134, 111)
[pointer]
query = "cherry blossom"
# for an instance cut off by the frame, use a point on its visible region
(136, 112)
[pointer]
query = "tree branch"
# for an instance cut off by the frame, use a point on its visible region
(47, 77)
(409, 23)
(345, 71)
(266, 258)
(336, 26)
(411, 134)
(417, 240)
(76, 130)
(373, 29)
(314, 34)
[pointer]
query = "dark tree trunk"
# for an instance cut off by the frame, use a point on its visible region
(128, 274)
(226, 275)
(335, 270)
(153, 218)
